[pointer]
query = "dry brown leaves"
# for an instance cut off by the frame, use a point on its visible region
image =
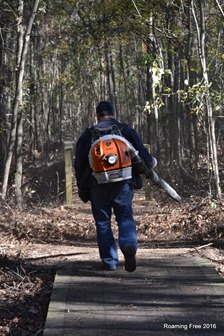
(25, 288)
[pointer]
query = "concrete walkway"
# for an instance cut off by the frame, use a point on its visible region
(172, 292)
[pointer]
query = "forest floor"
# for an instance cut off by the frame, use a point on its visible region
(35, 241)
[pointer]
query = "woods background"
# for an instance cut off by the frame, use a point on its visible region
(161, 63)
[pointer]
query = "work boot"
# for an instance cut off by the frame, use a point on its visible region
(129, 255)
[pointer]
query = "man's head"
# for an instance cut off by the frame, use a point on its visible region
(104, 108)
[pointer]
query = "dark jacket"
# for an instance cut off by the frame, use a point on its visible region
(81, 162)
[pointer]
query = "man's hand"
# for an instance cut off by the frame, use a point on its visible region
(83, 196)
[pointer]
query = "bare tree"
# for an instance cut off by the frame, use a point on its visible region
(17, 106)
(212, 147)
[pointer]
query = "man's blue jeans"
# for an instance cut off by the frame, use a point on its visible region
(117, 196)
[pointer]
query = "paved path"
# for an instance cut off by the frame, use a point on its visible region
(172, 292)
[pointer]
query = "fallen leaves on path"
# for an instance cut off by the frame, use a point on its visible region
(25, 284)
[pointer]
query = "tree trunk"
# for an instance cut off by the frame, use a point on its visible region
(17, 100)
(3, 85)
(213, 160)
(123, 76)
(108, 72)
(19, 131)
(19, 160)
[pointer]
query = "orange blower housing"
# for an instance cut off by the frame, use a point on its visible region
(110, 158)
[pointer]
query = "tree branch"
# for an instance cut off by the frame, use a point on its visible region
(220, 8)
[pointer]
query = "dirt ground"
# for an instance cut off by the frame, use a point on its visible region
(35, 242)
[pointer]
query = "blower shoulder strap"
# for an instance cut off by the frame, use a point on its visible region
(97, 132)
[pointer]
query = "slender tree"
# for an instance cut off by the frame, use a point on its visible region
(18, 104)
(212, 146)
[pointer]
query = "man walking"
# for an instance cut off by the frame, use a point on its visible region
(116, 196)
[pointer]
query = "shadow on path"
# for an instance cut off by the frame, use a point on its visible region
(166, 295)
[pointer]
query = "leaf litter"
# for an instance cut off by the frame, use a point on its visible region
(34, 242)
